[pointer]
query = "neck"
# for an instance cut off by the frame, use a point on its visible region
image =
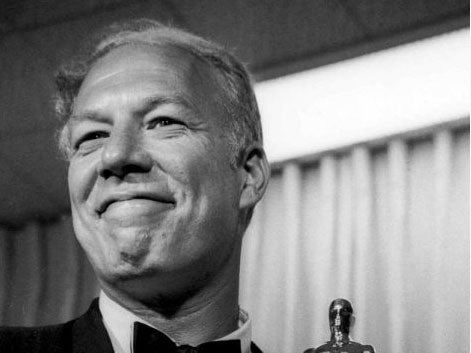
(191, 317)
(345, 336)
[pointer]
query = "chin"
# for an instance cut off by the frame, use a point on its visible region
(136, 261)
(132, 246)
(121, 264)
(125, 269)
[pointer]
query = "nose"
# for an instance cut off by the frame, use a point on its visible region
(122, 154)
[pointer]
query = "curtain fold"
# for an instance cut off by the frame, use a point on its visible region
(397, 196)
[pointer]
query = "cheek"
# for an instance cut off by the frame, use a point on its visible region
(81, 179)
(201, 174)
(213, 189)
(74, 183)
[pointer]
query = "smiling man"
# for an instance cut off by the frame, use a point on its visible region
(163, 137)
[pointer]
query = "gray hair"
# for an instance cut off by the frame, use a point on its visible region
(233, 78)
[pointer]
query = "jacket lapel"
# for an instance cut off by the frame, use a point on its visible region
(254, 348)
(89, 334)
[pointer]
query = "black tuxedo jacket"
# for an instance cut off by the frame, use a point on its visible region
(86, 334)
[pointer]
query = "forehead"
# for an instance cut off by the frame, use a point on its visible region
(135, 72)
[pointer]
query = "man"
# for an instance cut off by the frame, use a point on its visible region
(341, 318)
(163, 137)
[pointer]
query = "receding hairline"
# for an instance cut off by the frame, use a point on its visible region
(190, 66)
(163, 49)
(167, 39)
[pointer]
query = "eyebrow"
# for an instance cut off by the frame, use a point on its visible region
(89, 116)
(152, 102)
(147, 105)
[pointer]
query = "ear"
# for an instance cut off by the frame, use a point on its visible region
(256, 172)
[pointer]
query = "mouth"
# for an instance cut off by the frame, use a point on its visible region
(125, 198)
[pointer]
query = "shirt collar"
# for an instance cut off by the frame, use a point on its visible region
(119, 322)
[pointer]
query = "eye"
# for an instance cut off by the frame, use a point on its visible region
(162, 121)
(93, 135)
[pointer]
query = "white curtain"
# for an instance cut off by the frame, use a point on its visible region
(44, 275)
(383, 224)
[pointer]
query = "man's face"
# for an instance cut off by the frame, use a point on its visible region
(150, 181)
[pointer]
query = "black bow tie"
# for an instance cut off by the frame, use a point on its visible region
(149, 340)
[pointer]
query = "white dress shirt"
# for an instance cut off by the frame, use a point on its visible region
(119, 322)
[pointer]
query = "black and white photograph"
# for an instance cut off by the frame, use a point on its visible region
(234, 176)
